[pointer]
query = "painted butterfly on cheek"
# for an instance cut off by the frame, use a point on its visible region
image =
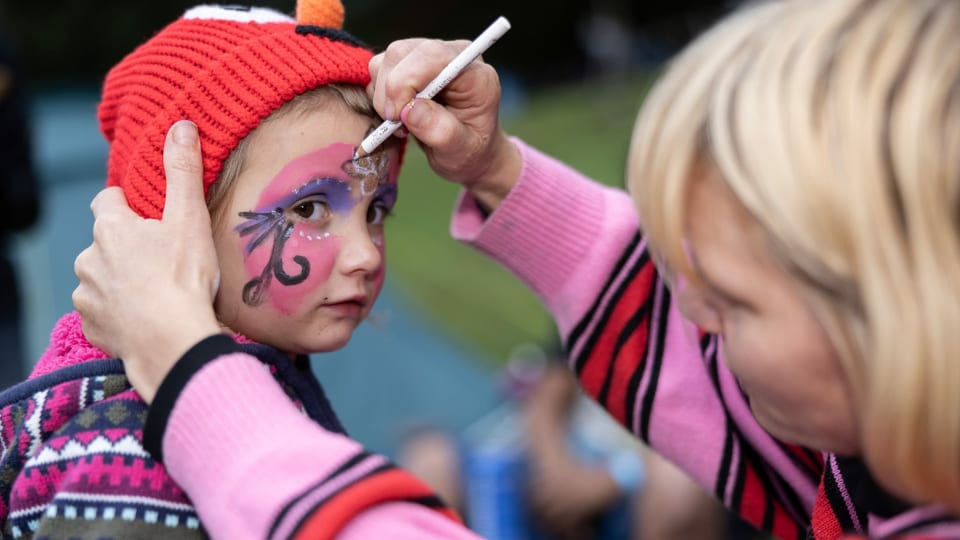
(263, 225)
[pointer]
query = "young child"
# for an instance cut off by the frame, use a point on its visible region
(280, 106)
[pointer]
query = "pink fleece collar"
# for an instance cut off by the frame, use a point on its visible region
(68, 346)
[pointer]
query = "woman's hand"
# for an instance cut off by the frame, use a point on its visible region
(460, 132)
(146, 286)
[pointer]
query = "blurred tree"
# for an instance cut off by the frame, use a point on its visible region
(70, 40)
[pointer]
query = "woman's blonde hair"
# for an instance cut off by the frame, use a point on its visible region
(354, 98)
(836, 124)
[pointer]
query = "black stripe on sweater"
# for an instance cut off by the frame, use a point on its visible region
(347, 465)
(633, 387)
(835, 499)
(640, 316)
(726, 459)
(656, 360)
(581, 327)
(602, 323)
(739, 479)
(313, 509)
(802, 464)
(769, 504)
(791, 499)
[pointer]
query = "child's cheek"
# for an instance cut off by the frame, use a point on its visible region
(319, 250)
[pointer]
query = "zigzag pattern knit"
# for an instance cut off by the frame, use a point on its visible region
(73, 458)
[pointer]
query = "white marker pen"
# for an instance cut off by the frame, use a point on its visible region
(449, 73)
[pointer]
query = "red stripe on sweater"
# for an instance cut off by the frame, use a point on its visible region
(784, 526)
(635, 295)
(754, 504)
(753, 501)
(824, 522)
(626, 364)
(813, 461)
(328, 519)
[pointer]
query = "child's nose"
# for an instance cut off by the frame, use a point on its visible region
(360, 253)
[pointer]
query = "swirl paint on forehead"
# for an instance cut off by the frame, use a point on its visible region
(303, 254)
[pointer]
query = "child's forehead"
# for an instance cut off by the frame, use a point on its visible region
(320, 170)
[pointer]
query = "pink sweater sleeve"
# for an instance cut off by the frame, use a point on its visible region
(558, 231)
(577, 244)
(255, 467)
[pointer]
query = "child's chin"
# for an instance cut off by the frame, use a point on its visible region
(305, 340)
(329, 343)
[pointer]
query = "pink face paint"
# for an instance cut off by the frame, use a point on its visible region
(287, 259)
(301, 173)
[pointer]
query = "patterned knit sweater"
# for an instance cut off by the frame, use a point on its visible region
(74, 465)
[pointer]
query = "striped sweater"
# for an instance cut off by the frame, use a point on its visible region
(74, 464)
(576, 245)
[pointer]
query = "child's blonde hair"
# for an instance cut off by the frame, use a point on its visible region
(836, 124)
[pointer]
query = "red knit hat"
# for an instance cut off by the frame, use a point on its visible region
(226, 69)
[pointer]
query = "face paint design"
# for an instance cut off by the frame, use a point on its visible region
(263, 224)
(370, 171)
(312, 179)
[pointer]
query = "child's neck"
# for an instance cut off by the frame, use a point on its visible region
(242, 338)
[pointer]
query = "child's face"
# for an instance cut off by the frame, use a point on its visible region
(771, 341)
(302, 246)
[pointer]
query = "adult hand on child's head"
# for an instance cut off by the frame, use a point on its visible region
(146, 286)
(460, 132)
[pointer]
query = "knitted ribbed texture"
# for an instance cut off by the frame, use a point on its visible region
(565, 276)
(224, 75)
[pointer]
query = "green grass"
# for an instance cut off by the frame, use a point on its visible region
(465, 293)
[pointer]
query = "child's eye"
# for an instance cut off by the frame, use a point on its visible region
(311, 209)
(377, 212)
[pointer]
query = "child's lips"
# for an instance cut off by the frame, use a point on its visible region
(348, 307)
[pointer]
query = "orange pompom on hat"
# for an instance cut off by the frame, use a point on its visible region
(226, 68)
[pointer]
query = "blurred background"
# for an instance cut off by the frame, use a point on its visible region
(436, 351)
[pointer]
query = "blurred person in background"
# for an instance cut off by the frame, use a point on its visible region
(19, 204)
(580, 476)
(548, 464)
